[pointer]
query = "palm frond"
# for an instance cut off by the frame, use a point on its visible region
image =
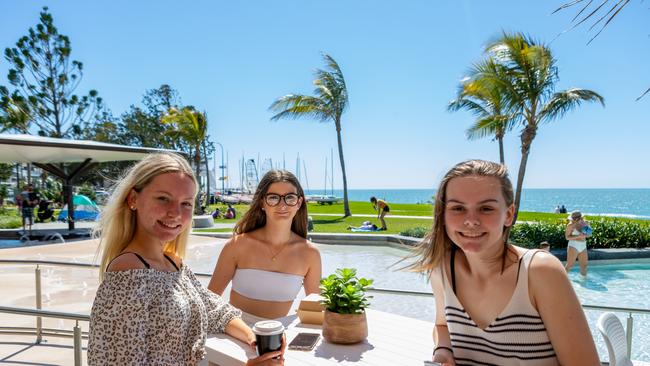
(567, 100)
(605, 18)
(643, 94)
(294, 106)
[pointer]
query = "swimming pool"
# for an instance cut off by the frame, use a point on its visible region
(620, 285)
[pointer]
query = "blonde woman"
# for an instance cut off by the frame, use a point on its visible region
(150, 308)
(269, 258)
(496, 303)
(577, 246)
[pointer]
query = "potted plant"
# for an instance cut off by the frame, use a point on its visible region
(345, 300)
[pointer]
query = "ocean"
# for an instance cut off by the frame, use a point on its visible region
(630, 203)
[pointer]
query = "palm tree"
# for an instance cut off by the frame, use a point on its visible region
(484, 98)
(328, 104)
(529, 89)
(192, 127)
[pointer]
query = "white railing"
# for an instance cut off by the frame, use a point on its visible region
(77, 334)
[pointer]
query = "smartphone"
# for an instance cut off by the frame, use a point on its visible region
(304, 341)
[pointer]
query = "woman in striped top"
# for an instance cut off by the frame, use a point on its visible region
(496, 303)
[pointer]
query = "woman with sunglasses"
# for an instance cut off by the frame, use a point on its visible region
(269, 257)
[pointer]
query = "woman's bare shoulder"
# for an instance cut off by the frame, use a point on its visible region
(125, 262)
(546, 267)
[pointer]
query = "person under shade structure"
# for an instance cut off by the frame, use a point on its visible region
(150, 309)
(517, 304)
(269, 258)
(577, 232)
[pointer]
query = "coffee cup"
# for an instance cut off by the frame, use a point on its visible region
(268, 335)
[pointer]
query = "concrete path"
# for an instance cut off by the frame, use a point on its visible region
(371, 215)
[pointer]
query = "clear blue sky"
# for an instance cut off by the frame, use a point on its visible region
(402, 62)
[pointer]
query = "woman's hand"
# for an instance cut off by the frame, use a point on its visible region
(270, 358)
(444, 356)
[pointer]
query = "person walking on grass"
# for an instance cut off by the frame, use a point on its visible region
(382, 209)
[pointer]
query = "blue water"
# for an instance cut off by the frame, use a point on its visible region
(609, 285)
(632, 203)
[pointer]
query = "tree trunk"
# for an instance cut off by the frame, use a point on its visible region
(346, 204)
(197, 164)
(207, 174)
(501, 157)
(527, 137)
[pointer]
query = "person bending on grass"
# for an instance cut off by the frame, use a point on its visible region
(149, 308)
(496, 303)
(382, 209)
(269, 258)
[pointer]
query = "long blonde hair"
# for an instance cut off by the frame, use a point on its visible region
(255, 217)
(117, 223)
(434, 246)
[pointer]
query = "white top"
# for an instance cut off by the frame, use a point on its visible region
(264, 285)
(516, 337)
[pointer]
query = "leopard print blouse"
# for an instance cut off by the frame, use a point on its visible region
(151, 317)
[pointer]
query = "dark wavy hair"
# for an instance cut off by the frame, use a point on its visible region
(255, 217)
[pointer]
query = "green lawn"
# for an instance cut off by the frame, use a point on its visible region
(402, 209)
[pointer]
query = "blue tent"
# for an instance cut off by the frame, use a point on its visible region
(84, 209)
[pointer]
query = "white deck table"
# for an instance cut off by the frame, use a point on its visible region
(392, 340)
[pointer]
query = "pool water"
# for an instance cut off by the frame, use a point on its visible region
(619, 285)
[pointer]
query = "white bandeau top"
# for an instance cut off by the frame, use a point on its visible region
(264, 285)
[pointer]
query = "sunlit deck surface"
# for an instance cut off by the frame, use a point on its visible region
(64, 289)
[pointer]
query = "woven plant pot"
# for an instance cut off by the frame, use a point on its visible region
(344, 328)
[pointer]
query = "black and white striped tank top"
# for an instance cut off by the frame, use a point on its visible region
(516, 337)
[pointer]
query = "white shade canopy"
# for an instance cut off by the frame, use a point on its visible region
(46, 150)
(67, 159)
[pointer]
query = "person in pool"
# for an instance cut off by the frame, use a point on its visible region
(269, 258)
(577, 232)
(496, 303)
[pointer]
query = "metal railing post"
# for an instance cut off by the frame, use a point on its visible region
(628, 334)
(77, 344)
(39, 321)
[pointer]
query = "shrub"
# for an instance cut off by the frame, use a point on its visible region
(415, 232)
(610, 233)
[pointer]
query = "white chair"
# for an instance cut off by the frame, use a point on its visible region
(612, 330)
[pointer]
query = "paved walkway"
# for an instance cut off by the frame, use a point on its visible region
(389, 216)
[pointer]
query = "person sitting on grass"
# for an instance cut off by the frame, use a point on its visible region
(216, 214)
(230, 212)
